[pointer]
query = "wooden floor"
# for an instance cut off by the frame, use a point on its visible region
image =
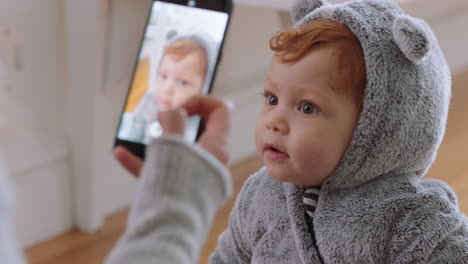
(78, 248)
(451, 166)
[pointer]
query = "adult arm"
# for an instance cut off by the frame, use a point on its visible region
(180, 188)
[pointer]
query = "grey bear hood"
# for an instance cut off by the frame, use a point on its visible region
(406, 99)
(208, 44)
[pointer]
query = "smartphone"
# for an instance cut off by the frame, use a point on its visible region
(178, 57)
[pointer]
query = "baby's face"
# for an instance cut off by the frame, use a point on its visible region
(304, 127)
(178, 80)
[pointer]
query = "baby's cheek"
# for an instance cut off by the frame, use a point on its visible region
(309, 159)
(312, 158)
(258, 139)
(187, 93)
(178, 99)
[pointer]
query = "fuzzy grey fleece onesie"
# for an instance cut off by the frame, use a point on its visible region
(374, 208)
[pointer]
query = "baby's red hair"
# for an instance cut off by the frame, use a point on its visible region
(292, 45)
(183, 47)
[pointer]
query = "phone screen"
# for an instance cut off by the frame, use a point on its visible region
(177, 60)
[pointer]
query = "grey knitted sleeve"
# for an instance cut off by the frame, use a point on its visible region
(180, 189)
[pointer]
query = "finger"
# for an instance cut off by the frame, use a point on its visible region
(128, 160)
(216, 114)
(173, 121)
(218, 123)
(216, 135)
(214, 111)
(203, 105)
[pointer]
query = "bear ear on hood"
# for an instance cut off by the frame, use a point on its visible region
(301, 8)
(412, 37)
(171, 34)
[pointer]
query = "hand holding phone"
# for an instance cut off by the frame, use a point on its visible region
(178, 57)
(214, 139)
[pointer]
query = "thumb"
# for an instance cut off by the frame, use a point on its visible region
(132, 163)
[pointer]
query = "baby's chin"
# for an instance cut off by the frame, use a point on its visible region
(279, 175)
(289, 177)
(163, 105)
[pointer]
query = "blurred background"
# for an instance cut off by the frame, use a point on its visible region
(65, 67)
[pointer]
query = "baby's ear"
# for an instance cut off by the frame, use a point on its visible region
(412, 37)
(301, 8)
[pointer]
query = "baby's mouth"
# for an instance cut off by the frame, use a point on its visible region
(165, 102)
(277, 151)
(273, 150)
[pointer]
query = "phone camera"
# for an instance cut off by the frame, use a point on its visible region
(191, 3)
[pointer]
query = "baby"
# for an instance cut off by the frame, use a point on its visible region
(356, 102)
(181, 74)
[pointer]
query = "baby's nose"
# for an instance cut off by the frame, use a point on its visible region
(278, 123)
(168, 88)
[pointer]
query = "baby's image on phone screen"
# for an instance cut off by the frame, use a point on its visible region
(176, 61)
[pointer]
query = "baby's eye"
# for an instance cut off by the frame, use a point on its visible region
(183, 82)
(308, 108)
(163, 76)
(272, 100)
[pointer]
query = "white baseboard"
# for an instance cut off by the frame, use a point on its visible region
(39, 167)
(43, 199)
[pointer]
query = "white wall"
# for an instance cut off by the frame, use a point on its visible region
(34, 140)
(100, 185)
(277, 4)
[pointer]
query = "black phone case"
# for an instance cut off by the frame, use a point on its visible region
(216, 5)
